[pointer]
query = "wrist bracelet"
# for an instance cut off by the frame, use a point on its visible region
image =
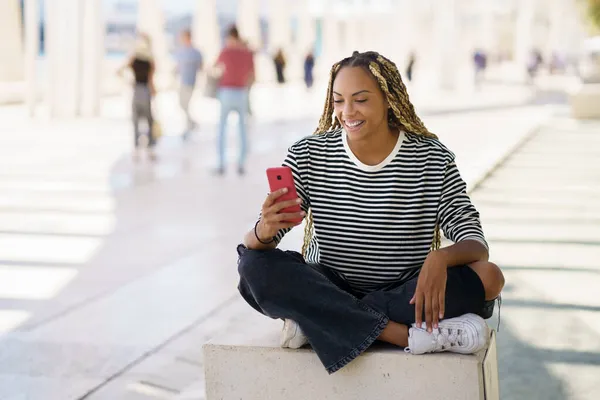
(256, 234)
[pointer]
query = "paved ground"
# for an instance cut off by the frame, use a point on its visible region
(113, 274)
(540, 212)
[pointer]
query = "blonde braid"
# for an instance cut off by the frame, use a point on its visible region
(402, 114)
(308, 232)
(326, 122)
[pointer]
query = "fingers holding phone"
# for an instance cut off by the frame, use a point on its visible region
(281, 209)
(276, 215)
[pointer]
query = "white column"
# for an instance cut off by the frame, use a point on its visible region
(151, 21)
(280, 33)
(523, 39)
(332, 50)
(406, 16)
(487, 27)
(355, 35)
(32, 48)
(205, 30)
(92, 57)
(445, 39)
(373, 35)
(11, 42)
(248, 21)
(306, 29)
(558, 22)
(63, 43)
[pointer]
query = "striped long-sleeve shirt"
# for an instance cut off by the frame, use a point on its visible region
(375, 224)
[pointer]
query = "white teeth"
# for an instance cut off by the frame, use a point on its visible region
(353, 124)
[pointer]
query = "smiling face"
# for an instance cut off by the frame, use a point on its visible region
(359, 104)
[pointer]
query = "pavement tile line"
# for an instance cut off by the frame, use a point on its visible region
(231, 300)
(99, 296)
(528, 137)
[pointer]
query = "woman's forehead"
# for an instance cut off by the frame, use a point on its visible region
(354, 79)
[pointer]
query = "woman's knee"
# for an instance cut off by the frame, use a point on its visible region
(253, 263)
(269, 277)
(264, 268)
(491, 277)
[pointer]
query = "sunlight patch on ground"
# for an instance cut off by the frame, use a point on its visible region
(11, 319)
(47, 248)
(33, 283)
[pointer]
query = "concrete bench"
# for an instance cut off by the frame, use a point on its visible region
(585, 101)
(257, 368)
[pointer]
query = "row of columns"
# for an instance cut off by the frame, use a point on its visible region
(74, 57)
(75, 31)
(74, 53)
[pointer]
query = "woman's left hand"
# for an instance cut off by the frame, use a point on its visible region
(431, 291)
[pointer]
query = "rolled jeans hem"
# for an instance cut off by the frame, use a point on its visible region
(358, 350)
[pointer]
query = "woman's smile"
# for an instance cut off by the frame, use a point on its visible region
(353, 125)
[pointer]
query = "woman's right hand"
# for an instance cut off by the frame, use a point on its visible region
(273, 220)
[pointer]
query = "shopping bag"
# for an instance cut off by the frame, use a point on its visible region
(156, 130)
(211, 85)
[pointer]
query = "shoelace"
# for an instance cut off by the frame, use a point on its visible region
(447, 338)
(499, 309)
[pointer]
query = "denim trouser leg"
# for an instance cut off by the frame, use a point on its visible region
(243, 115)
(232, 99)
(464, 294)
(185, 96)
(280, 284)
(226, 108)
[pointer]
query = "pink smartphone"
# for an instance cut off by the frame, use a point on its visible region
(279, 178)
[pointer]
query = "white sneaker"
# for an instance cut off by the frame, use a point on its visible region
(292, 336)
(466, 334)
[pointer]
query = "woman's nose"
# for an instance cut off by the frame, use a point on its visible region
(348, 109)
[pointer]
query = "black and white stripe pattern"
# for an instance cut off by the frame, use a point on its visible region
(375, 224)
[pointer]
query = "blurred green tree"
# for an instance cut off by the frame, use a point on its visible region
(593, 7)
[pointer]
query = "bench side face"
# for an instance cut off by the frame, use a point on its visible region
(490, 370)
(271, 373)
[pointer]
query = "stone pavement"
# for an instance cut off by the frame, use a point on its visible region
(112, 274)
(541, 213)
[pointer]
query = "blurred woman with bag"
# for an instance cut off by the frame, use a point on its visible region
(142, 65)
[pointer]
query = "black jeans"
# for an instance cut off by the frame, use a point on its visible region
(339, 323)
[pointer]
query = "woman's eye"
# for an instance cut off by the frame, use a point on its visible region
(361, 101)
(338, 101)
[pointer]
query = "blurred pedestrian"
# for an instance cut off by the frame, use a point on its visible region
(189, 63)
(534, 62)
(309, 65)
(252, 80)
(142, 65)
(557, 63)
(412, 58)
(279, 61)
(237, 64)
(479, 65)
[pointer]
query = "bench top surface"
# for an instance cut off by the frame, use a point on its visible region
(264, 337)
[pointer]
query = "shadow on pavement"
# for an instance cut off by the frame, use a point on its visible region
(551, 269)
(522, 371)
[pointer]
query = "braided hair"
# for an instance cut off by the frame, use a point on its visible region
(401, 114)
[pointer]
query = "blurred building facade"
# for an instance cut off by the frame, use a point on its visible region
(79, 36)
